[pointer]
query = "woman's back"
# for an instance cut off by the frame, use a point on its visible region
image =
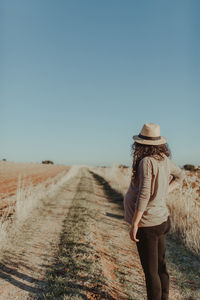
(150, 196)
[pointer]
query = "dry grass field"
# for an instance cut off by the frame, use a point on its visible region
(184, 238)
(183, 203)
(29, 172)
(12, 175)
(67, 239)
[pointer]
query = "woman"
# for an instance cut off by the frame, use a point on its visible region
(154, 175)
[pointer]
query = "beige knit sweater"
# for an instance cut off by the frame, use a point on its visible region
(151, 193)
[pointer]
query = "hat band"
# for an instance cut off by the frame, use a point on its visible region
(149, 138)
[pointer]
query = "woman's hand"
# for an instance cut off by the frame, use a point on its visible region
(133, 232)
(136, 221)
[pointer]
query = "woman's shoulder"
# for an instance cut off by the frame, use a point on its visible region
(147, 160)
(146, 163)
(153, 162)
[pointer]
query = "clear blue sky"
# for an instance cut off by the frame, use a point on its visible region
(80, 78)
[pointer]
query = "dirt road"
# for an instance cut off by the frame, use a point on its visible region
(75, 246)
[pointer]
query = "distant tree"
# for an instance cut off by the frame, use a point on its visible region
(47, 162)
(189, 167)
(4, 159)
(123, 166)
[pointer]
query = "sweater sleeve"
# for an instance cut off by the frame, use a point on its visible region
(145, 177)
(176, 172)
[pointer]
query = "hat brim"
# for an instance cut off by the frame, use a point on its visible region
(139, 140)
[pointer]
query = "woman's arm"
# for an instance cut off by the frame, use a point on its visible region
(173, 185)
(177, 176)
(145, 177)
(135, 224)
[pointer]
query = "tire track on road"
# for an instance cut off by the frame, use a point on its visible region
(76, 272)
(95, 259)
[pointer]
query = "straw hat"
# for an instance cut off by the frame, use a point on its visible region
(150, 135)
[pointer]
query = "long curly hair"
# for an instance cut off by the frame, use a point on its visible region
(139, 151)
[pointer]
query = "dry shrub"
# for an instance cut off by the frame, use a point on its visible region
(184, 209)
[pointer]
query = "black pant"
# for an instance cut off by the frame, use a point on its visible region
(151, 248)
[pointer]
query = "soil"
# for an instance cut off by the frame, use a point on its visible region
(29, 174)
(76, 245)
(33, 173)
